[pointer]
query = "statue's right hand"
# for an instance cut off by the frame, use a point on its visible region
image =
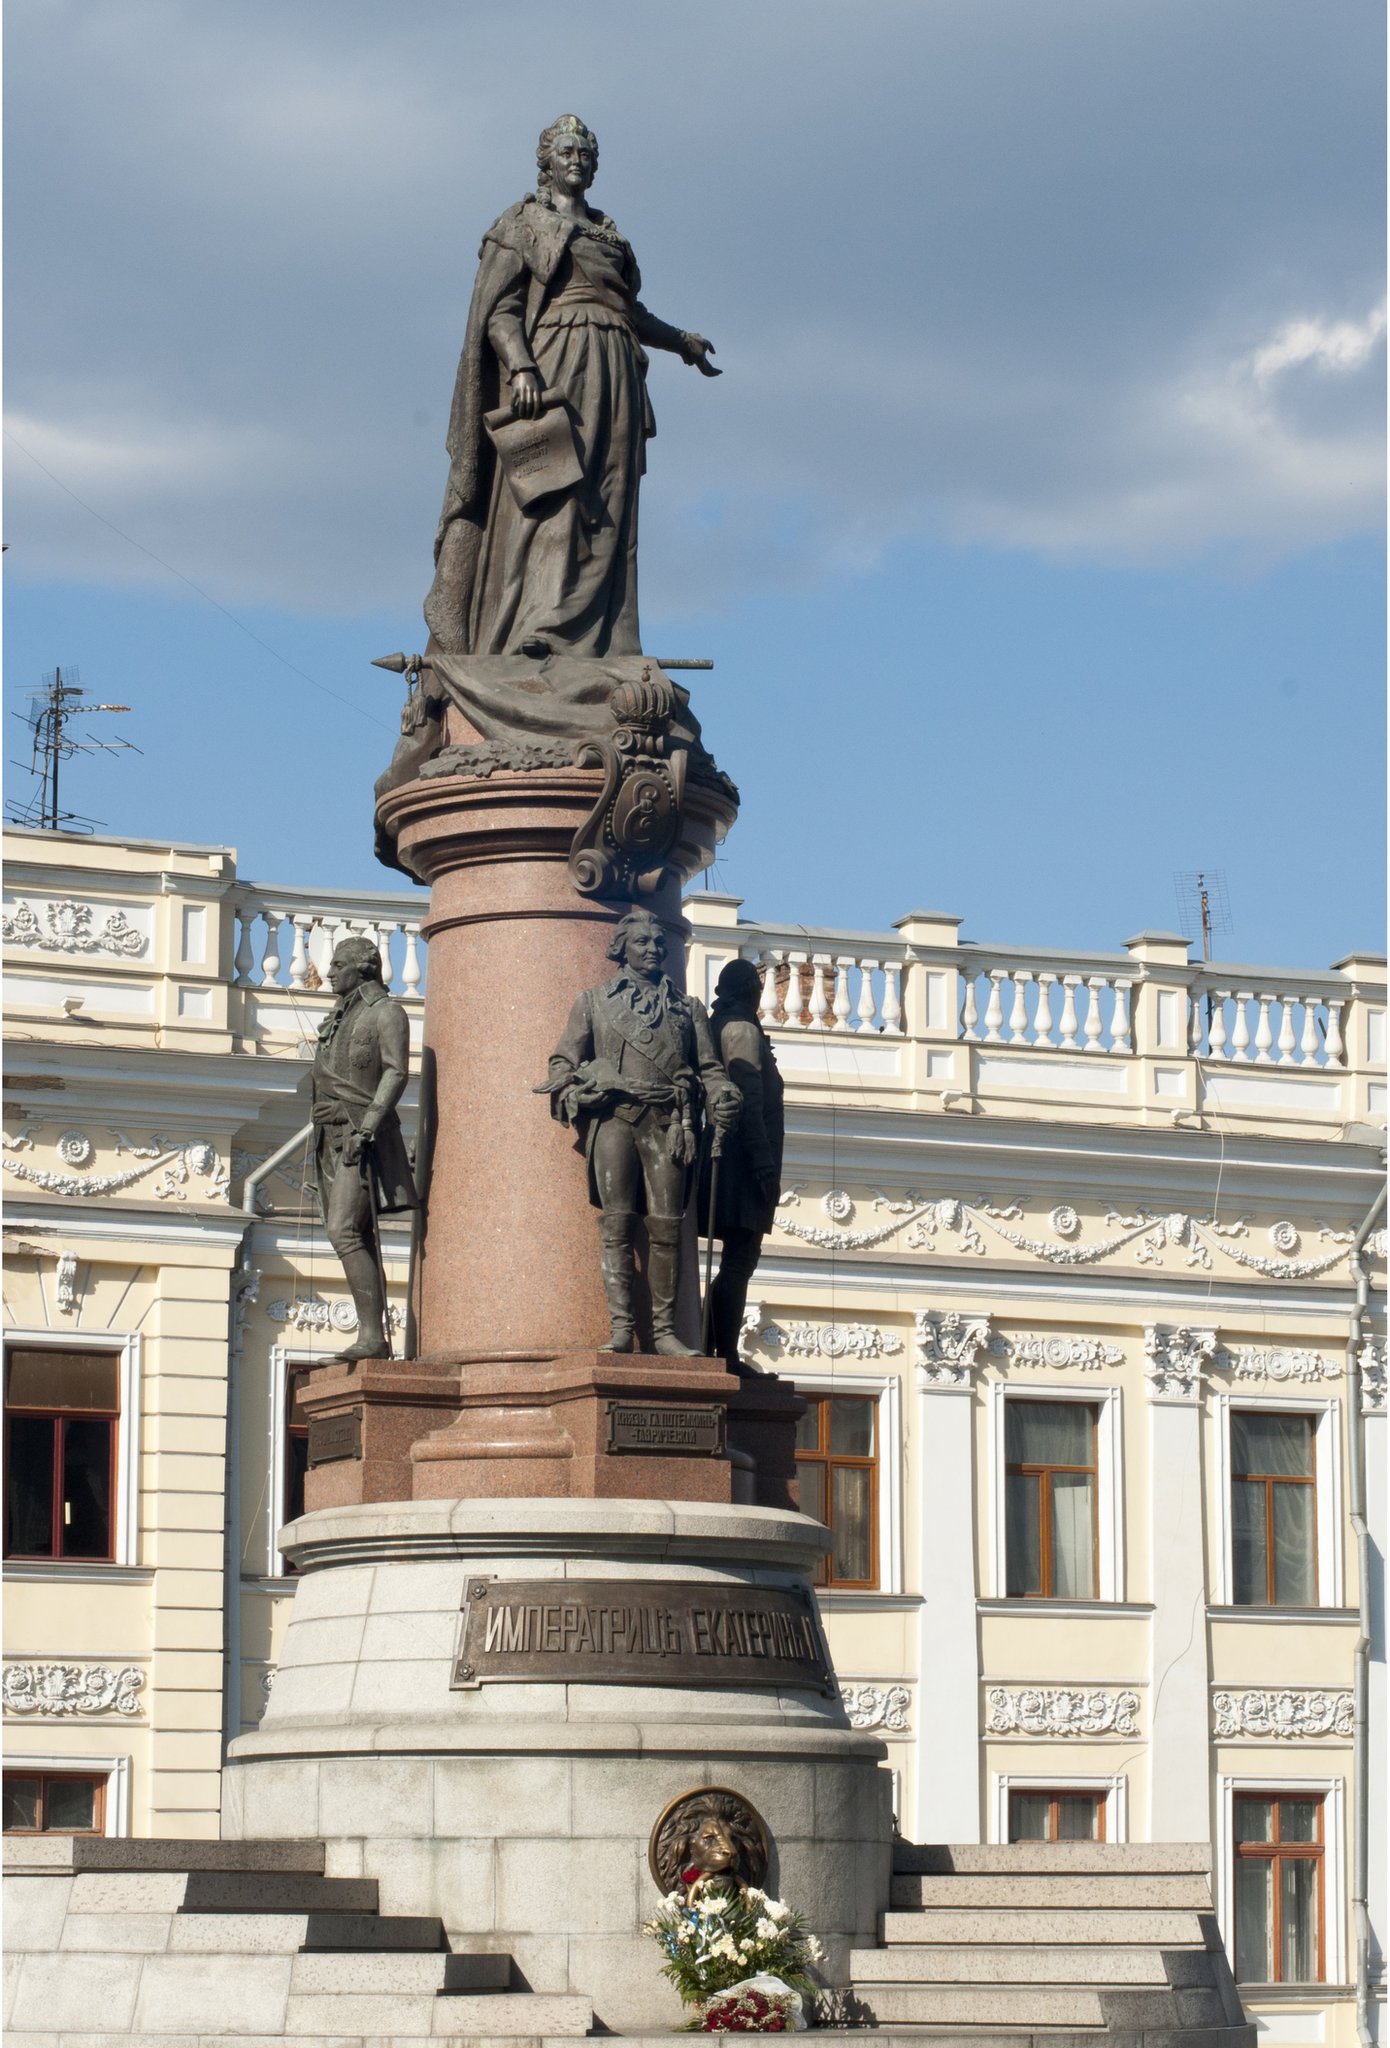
(526, 394)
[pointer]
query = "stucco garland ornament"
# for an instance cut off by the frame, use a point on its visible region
(740, 1959)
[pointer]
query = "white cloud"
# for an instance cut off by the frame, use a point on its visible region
(1333, 345)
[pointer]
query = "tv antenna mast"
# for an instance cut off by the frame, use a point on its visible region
(51, 711)
(1203, 905)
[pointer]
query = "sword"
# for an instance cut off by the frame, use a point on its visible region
(707, 1325)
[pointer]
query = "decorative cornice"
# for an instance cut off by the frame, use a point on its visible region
(53, 1690)
(310, 1312)
(1176, 1357)
(877, 1706)
(949, 1347)
(66, 927)
(1284, 1716)
(179, 1158)
(1246, 1363)
(1047, 1711)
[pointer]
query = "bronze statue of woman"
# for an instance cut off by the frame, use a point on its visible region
(555, 309)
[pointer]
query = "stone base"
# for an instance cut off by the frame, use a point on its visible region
(584, 1424)
(519, 1810)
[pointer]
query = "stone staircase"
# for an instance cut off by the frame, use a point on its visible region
(1043, 1940)
(185, 1943)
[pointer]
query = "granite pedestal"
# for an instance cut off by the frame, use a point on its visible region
(518, 1810)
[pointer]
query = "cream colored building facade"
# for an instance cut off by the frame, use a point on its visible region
(1071, 1248)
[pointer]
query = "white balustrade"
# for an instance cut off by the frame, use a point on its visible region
(298, 961)
(1262, 1027)
(1017, 1008)
(804, 990)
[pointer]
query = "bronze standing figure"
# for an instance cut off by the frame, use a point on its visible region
(632, 1073)
(555, 309)
(361, 1066)
(749, 1178)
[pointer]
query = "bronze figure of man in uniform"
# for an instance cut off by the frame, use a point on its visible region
(749, 1178)
(631, 1073)
(361, 1067)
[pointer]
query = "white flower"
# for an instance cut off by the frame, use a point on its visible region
(814, 1950)
(766, 1930)
(776, 1910)
(684, 1933)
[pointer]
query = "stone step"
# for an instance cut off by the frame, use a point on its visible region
(53, 1855)
(926, 1964)
(216, 1891)
(354, 1969)
(1091, 1888)
(867, 2037)
(1083, 1925)
(1152, 1859)
(1037, 2005)
(451, 2015)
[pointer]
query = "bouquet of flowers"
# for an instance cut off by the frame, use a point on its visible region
(740, 1958)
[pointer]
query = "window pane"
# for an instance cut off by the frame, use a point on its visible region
(850, 1520)
(86, 1488)
(812, 1478)
(1254, 1919)
(852, 1427)
(63, 1379)
(808, 1428)
(1049, 1433)
(1249, 1543)
(71, 1806)
(1298, 1820)
(1028, 1816)
(29, 1487)
(1294, 1576)
(1073, 1536)
(1272, 1443)
(1254, 1820)
(21, 1802)
(1076, 1819)
(1022, 1535)
(1298, 1885)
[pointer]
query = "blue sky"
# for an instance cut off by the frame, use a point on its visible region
(1035, 527)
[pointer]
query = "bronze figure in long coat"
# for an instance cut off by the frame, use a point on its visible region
(749, 1180)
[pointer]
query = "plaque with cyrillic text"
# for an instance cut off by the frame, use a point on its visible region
(636, 1632)
(667, 1429)
(335, 1436)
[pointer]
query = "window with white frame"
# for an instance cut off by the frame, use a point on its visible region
(1060, 1808)
(848, 1452)
(1280, 1856)
(1278, 1495)
(289, 1448)
(1057, 1531)
(66, 1795)
(71, 1477)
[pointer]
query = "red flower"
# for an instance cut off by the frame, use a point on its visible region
(689, 1876)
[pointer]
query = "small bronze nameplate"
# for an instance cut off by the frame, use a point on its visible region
(335, 1436)
(661, 1429)
(639, 1632)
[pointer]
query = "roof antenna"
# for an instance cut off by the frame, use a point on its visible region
(1203, 905)
(51, 711)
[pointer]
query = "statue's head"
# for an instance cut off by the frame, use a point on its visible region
(566, 156)
(713, 1848)
(354, 961)
(740, 985)
(638, 941)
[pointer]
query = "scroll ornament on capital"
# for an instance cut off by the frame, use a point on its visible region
(949, 1347)
(1177, 1359)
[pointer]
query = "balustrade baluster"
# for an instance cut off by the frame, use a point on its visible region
(1286, 1037)
(1310, 1044)
(994, 1010)
(410, 971)
(299, 957)
(796, 1000)
(1120, 1040)
(892, 1003)
(245, 952)
(817, 1006)
(1240, 1033)
(1196, 1021)
(1070, 984)
(1264, 1034)
(1335, 1048)
(1220, 1050)
(1018, 1013)
(767, 1001)
(840, 1009)
(1094, 1028)
(1042, 1016)
(867, 1004)
(270, 958)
